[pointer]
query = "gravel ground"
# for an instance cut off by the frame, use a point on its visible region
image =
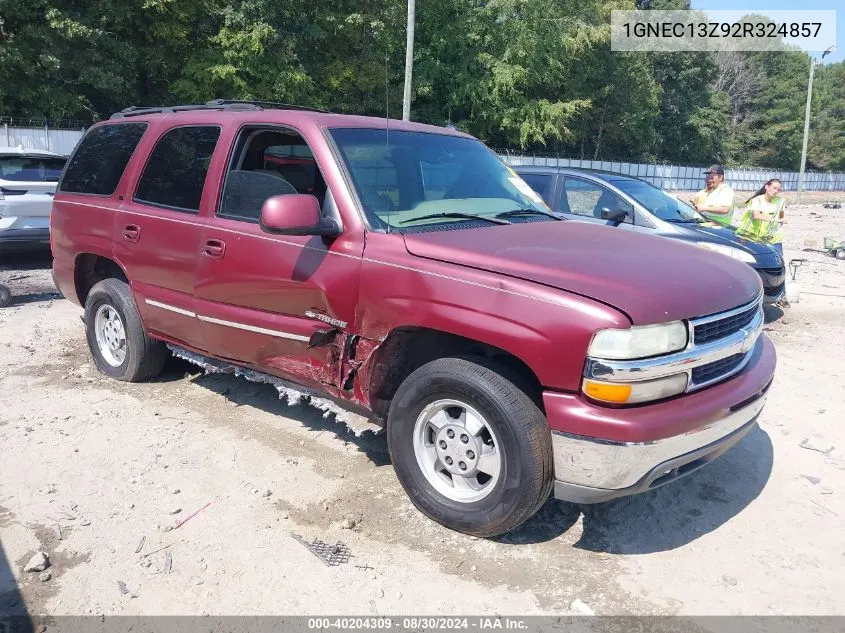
(183, 495)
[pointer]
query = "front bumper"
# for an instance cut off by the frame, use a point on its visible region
(774, 280)
(597, 471)
(601, 453)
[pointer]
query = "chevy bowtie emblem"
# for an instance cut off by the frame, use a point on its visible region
(747, 341)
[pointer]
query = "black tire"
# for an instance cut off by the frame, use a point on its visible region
(527, 472)
(5, 297)
(145, 357)
(840, 253)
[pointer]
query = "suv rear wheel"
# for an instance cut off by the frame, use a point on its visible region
(472, 451)
(120, 347)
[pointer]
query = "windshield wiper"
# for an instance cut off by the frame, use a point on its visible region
(506, 214)
(457, 215)
(685, 221)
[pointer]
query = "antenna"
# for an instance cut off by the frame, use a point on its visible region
(387, 122)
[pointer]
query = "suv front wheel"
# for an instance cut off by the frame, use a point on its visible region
(116, 338)
(472, 451)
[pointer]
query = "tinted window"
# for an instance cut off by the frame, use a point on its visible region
(31, 168)
(581, 197)
(102, 155)
(175, 172)
(541, 183)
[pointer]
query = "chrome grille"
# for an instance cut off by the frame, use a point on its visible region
(715, 370)
(708, 331)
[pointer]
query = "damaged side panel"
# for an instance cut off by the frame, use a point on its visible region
(291, 392)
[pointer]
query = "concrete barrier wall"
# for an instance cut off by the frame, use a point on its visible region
(671, 177)
(59, 141)
(689, 178)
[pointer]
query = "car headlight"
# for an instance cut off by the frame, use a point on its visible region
(730, 251)
(640, 341)
(634, 392)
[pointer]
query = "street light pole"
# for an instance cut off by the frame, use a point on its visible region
(807, 123)
(409, 63)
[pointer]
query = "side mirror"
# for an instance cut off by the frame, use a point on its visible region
(617, 217)
(296, 214)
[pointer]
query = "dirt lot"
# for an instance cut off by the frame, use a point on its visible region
(99, 474)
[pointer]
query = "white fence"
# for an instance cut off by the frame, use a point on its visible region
(686, 178)
(671, 177)
(50, 139)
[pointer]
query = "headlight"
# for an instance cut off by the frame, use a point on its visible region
(639, 341)
(730, 251)
(633, 392)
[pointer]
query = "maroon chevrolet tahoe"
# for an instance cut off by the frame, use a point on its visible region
(402, 272)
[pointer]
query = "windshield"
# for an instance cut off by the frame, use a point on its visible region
(422, 174)
(658, 202)
(31, 168)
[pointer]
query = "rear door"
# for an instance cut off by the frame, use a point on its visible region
(157, 228)
(585, 200)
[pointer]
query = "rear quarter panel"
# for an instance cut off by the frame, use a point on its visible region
(78, 224)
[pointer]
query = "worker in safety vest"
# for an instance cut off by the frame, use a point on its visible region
(716, 200)
(763, 216)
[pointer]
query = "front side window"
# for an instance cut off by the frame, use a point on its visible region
(588, 199)
(401, 177)
(174, 175)
(660, 203)
(268, 162)
(101, 158)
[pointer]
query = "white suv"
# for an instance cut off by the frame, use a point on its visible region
(28, 181)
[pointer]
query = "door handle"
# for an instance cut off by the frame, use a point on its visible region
(131, 232)
(214, 249)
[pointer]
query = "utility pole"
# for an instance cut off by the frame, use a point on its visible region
(409, 63)
(806, 130)
(807, 122)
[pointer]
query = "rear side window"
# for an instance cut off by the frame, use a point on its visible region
(31, 168)
(541, 183)
(101, 158)
(176, 169)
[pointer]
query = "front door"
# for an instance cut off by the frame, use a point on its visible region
(261, 297)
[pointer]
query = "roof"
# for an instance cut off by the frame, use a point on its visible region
(28, 151)
(607, 175)
(267, 112)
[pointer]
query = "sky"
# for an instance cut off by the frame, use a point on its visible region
(786, 5)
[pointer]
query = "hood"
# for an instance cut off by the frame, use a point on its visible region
(765, 255)
(651, 279)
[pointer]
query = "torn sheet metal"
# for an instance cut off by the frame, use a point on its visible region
(290, 392)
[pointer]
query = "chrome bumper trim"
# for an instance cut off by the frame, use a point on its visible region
(740, 342)
(593, 463)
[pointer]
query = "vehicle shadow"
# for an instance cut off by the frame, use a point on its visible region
(669, 517)
(264, 397)
(30, 259)
(34, 297)
(14, 616)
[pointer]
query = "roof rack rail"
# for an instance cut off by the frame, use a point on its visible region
(142, 110)
(215, 104)
(273, 105)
